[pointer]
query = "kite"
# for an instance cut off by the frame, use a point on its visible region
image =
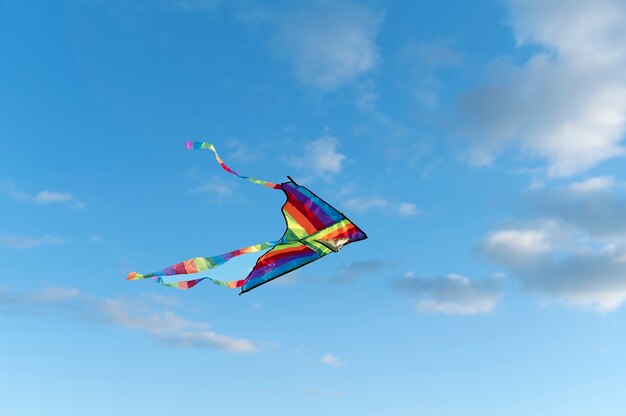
(314, 229)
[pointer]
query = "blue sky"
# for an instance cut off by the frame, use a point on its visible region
(479, 145)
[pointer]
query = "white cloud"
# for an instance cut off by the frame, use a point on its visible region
(26, 242)
(333, 361)
(406, 209)
(451, 295)
(598, 183)
(577, 273)
(143, 313)
(517, 245)
(47, 197)
(43, 197)
(566, 103)
(571, 245)
(324, 155)
(329, 42)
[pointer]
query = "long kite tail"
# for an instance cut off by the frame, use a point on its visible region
(209, 146)
(188, 284)
(200, 264)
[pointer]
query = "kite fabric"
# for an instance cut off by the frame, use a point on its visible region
(314, 229)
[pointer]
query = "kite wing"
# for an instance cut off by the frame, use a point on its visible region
(314, 229)
(278, 261)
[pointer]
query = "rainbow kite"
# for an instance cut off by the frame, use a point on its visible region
(314, 229)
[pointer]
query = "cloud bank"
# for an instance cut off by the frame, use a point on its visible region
(566, 103)
(571, 247)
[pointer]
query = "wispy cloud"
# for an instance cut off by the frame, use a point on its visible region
(240, 152)
(432, 54)
(567, 102)
(320, 158)
(26, 242)
(373, 203)
(42, 197)
(594, 184)
(451, 295)
(170, 327)
(215, 188)
(334, 394)
(329, 42)
(424, 62)
(52, 294)
(406, 209)
(143, 313)
(191, 5)
(332, 360)
(356, 269)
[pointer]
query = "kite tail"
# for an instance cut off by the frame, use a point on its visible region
(200, 264)
(209, 146)
(188, 284)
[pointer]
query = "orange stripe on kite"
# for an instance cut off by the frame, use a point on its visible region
(279, 253)
(300, 218)
(341, 232)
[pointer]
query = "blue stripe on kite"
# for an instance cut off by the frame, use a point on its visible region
(255, 281)
(327, 214)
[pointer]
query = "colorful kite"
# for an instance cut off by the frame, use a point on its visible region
(314, 229)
